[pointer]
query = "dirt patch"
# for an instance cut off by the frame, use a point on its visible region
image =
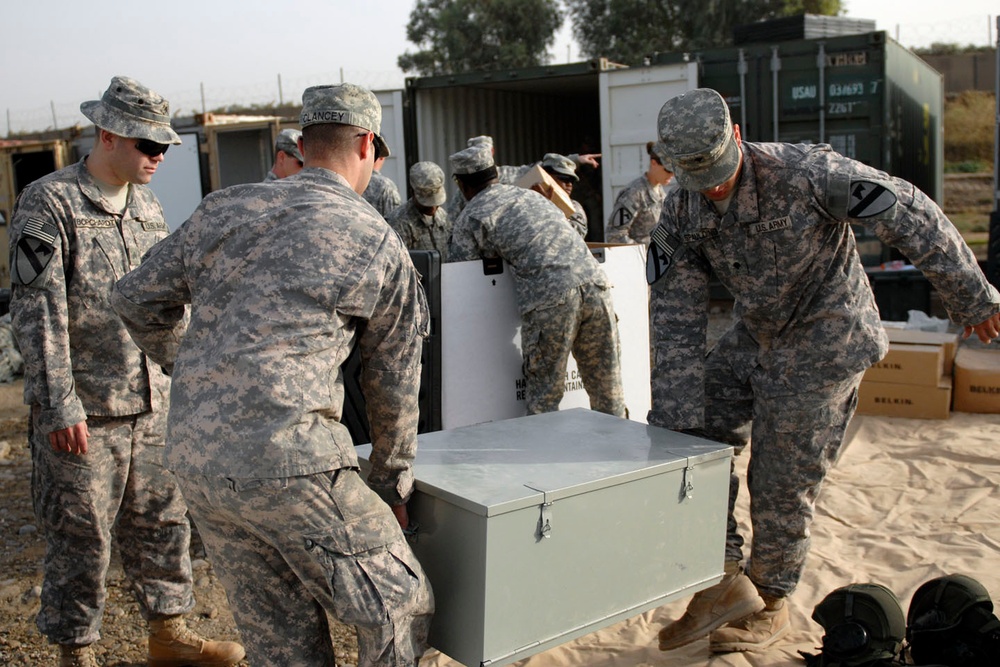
(968, 193)
(123, 641)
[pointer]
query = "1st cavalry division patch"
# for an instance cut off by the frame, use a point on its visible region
(34, 251)
(869, 199)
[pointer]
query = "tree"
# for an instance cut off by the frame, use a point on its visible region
(627, 31)
(470, 35)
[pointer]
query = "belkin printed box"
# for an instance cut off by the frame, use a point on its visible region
(909, 364)
(977, 380)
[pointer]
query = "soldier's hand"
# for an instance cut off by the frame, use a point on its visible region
(543, 189)
(589, 159)
(72, 439)
(986, 330)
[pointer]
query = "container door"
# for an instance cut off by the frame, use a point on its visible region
(20, 165)
(392, 131)
(240, 152)
(177, 183)
(630, 101)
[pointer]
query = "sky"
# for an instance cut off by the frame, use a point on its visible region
(199, 54)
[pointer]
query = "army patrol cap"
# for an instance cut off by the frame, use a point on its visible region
(427, 180)
(697, 135)
(347, 104)
(560, 166)
(471, 160)
(481, 140)
(288, 141)
(130, 109)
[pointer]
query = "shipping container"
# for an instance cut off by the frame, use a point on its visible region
(589, 107)
(21, 162)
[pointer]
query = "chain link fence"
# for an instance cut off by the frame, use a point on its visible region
(201, 97)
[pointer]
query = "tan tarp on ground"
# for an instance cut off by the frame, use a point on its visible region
(908, 501)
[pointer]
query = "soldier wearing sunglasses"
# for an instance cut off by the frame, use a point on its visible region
(98, 404)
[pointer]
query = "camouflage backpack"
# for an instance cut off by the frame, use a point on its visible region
(864, 626)
(951, 622)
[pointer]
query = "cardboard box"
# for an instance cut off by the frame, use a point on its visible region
(536, 530)
(977, 380)
(549, 188)
(909, 364)
(892, 399)
(949, 341)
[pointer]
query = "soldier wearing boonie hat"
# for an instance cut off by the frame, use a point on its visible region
(288, 159)
(313, 537)
(422, 222)
(98, 403)
(562, 293)
(773, 222)
(637, 205)
(130, 109)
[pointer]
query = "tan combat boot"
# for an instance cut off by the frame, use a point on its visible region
(76, 656)
(173, 644)
(731, 599)
(755, 632)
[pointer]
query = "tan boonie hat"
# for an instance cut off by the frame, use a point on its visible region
(481, 140)
(697, 135)
(288, 141)
(347, 104)
(130, 109)
(472, 160)
(560, 166)
(427, 180)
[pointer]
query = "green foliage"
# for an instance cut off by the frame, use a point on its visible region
(969, 121)
(942, 49)
(626, 31)
(966, 167)
(473, 35)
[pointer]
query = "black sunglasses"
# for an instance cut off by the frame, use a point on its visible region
(376, 144)
(150, 148)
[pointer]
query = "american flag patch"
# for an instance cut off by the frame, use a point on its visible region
(43, 230)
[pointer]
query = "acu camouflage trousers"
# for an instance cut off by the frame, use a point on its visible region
(794, 439)
(119, 486)
(290, 549)
(583, 323)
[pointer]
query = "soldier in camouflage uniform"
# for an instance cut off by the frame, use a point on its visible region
(563, 170)
(381, 192)
(562, 293)
(287, 155)
(98, 404)
(510, 174)
(285, 279)
(637, 207)
(773, 222)
(422, 222)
